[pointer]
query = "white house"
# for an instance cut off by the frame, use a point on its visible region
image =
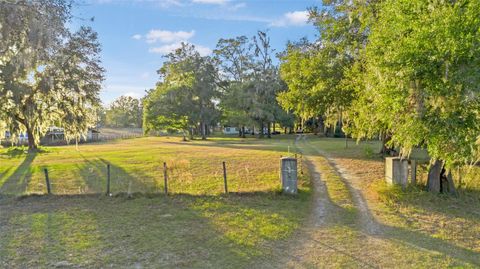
(230, 130)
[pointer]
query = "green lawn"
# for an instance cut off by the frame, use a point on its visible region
(195, 226)
(255, 226)
(137, 166)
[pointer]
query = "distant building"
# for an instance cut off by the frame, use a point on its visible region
(235, 131)
(230, 130)
(54, 134)
(93, 134)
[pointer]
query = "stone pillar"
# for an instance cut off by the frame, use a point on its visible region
(289, 175)
(396, 171)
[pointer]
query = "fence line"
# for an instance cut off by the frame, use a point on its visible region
(99, 176)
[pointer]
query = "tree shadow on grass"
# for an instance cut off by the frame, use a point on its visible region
(94, 174)
(421, 242)
(47, 231)
(181, 231)
(17, 182)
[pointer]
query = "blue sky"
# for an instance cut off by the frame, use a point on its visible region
(135, 34)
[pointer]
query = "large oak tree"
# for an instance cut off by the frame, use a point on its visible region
(47, 73)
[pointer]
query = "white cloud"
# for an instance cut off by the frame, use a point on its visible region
(238, 6)
(165, 49)
(211, 2)
(159, 3)
(225, 4)
(137, 37)
(295, 18)
(168, 36)
(133, 94)
(204, 51)
(170, 3)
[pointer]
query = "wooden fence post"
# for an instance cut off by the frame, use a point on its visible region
(49, 190)
(301, 164)
(413, 168)
(108, 179)
(225, 177)
(165, 177)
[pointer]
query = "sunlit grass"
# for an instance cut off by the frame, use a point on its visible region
(137, 166)
(196, 226)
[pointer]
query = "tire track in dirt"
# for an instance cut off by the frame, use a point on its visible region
(321, 203)
(314, 237)
(366, 219)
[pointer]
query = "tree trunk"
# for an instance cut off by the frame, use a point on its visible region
(203, 128)
(190, 133)
(269, 134)
(274, 127)
(240, 131)
(243, 131)
(439, 180)
(32, 145)
(387, 151)
(261, 130)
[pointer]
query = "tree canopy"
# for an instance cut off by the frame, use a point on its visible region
(48, 74)
(249, 81)
(407, 70)
(185, 97)
(125, 111)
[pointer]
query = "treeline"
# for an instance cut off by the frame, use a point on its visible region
(407, 71)
(238, 86)
(123, 112)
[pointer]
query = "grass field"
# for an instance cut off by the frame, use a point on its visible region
(345, 222)
(195, 226)
(137, 166)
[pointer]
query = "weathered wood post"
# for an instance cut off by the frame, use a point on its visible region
(413, 168)
(47, 180)
(289, 175)
(301, 164)
(225, 177)
(165, 177)
(108, 179)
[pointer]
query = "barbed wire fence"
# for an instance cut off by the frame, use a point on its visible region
(173, 176)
